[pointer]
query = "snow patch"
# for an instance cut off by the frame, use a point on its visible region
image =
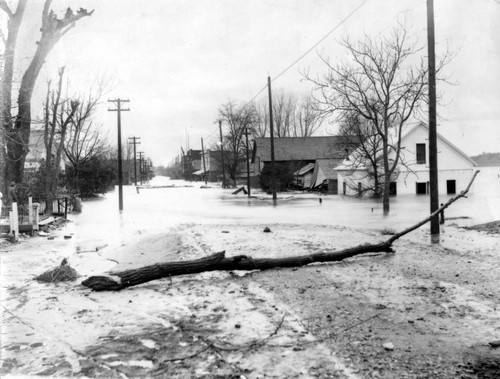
(150, 344)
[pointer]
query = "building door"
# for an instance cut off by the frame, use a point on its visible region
(333, 186)
(451, 187)
(421, 188)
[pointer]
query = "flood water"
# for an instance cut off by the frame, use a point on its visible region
(160, 209)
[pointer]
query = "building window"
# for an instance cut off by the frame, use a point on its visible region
(421, 188)
(451, 187)
(421, 153)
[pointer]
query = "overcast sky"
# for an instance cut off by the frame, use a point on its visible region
(179, 60)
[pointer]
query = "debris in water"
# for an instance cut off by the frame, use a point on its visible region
(62, 273)
(388, 346)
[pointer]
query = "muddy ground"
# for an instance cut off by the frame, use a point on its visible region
(426, 311)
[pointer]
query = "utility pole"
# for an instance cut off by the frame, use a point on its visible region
(433, 159)
(134, 142)
(248, 164)
(183, 163)
(222, 155)
(118, 111)
(141, 153)
(203, 157)
(273, 170)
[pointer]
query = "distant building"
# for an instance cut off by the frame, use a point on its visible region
(191, 162)
(212, 169)
(37, 152)
(299, 151)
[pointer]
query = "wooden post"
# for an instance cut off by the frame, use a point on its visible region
(118, 111)
(30, 210)
(204, 166)
(271, 127)
(433, 158)
(14, 222)
(36, 216)
(222, 155)
(248, 163)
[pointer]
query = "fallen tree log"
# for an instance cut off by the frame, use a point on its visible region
(219, 262)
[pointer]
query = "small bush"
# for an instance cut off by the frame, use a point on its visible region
(387, 232)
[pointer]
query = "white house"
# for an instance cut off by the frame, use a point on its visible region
(37, 152)
(455, 168)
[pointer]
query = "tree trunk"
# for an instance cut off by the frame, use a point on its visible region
(52, 31)
(18, 148)
(218, 262)
(13, 26)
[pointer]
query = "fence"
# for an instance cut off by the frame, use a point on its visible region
(61, 206)
(20, 218)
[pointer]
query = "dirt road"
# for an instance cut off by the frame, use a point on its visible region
(427, 311)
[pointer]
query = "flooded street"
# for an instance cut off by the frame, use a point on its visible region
(158, 209)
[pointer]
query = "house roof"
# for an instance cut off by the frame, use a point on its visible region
(304, 170)
(302, 148)
(440, 137)
(324, 169)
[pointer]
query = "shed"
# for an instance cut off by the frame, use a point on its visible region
(303, 176)
(325, 176)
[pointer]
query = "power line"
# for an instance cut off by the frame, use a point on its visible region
(321, 40)
(309, 50)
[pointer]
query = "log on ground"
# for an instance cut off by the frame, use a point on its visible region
(218, 262)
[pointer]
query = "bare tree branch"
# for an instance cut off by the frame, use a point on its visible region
(383, 90)
(5, 7)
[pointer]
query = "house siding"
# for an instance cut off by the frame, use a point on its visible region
(452, 163)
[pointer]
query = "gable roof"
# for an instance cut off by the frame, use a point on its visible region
(439, 137)
(301, 148)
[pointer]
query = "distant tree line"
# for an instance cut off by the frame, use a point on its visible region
(487, 159)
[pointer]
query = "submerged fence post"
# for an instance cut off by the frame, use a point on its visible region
(14, 222)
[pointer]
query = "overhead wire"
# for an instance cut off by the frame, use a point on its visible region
(343, 21)
(321, 40)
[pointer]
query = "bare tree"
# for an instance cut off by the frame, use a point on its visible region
(83, 140)
(284, 107)
(383, 86)
(57, 117)
(292, 118)
(17, 135)
(238, 121)
(261, 127)
(307, 120)
(360, 138)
